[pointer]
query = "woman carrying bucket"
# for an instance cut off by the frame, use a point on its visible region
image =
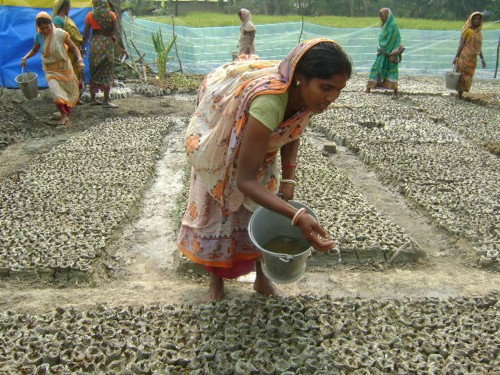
(61, 78)
(470, 46)
(248, 112)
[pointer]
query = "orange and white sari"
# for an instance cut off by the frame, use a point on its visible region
(214, 226)
(59, 73)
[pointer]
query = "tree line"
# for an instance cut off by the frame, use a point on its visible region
(426, 9)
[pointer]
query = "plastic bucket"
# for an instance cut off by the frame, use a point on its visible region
(451, 79)
(266, 225)
(28, 83)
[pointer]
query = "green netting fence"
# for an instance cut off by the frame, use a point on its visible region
(199, 50)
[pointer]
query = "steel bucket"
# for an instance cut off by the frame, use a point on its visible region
(451, 79)
(266, 225)
(28, 83)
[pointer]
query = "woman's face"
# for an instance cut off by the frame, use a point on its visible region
(317, 94)
(476, 20)
(45, 29)
(383, 17)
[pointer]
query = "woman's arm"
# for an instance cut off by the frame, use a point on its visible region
(250, 159)
(288, 166)
(31, 53)
(85, 37)
(459, 51)
(483, 63)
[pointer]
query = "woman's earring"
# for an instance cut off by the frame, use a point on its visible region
(297, 83)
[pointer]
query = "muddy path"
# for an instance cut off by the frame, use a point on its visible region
(147, 268)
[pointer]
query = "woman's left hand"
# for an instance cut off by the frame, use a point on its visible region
(483, 63)
(81, 63)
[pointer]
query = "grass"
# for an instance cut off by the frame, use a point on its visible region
(220, 19)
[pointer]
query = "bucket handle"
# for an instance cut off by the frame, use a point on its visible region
(285, 258)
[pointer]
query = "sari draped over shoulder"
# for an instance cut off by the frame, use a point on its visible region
(384, 71)
(59, 73)
(214, 227)
(74, 33)
(102, 46)
(102, 14)
(467, 61)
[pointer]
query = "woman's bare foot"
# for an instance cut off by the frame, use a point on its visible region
(215, 289)
(64, 121)
(368, 90)
(263, 285)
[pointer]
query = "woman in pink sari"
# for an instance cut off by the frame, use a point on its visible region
(470, 46)
(248, 112)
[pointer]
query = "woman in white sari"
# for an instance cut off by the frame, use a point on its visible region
(61, 78)
(246, 44)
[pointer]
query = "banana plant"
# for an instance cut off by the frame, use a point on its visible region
(162, 52)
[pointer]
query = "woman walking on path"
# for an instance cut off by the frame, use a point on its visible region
(103, 23)
(248, 112)
(63, 21)
(384, 71)
(470, 46)
(246, 44)
(61, 78)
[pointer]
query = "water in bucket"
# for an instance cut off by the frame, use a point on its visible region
(283, 247)
(286, 245)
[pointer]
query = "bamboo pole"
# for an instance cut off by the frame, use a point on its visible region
(498, 50)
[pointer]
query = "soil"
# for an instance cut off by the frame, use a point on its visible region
(150, 270)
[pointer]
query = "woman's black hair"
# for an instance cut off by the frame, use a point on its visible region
(324, 60)
(64, 4)
(43, 21)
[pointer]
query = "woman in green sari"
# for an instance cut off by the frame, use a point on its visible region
(384, 71)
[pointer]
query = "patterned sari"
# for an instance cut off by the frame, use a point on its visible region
(384, 71)
(59, 73)
(102, 47)
(214, 226)
(467, 61)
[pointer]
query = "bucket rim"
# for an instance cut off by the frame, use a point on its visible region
(30, 75)
(288, 257)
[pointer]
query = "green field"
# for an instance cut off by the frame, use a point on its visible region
(219, 19)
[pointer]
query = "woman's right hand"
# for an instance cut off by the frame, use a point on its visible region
(314, 233)
(23, 62)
